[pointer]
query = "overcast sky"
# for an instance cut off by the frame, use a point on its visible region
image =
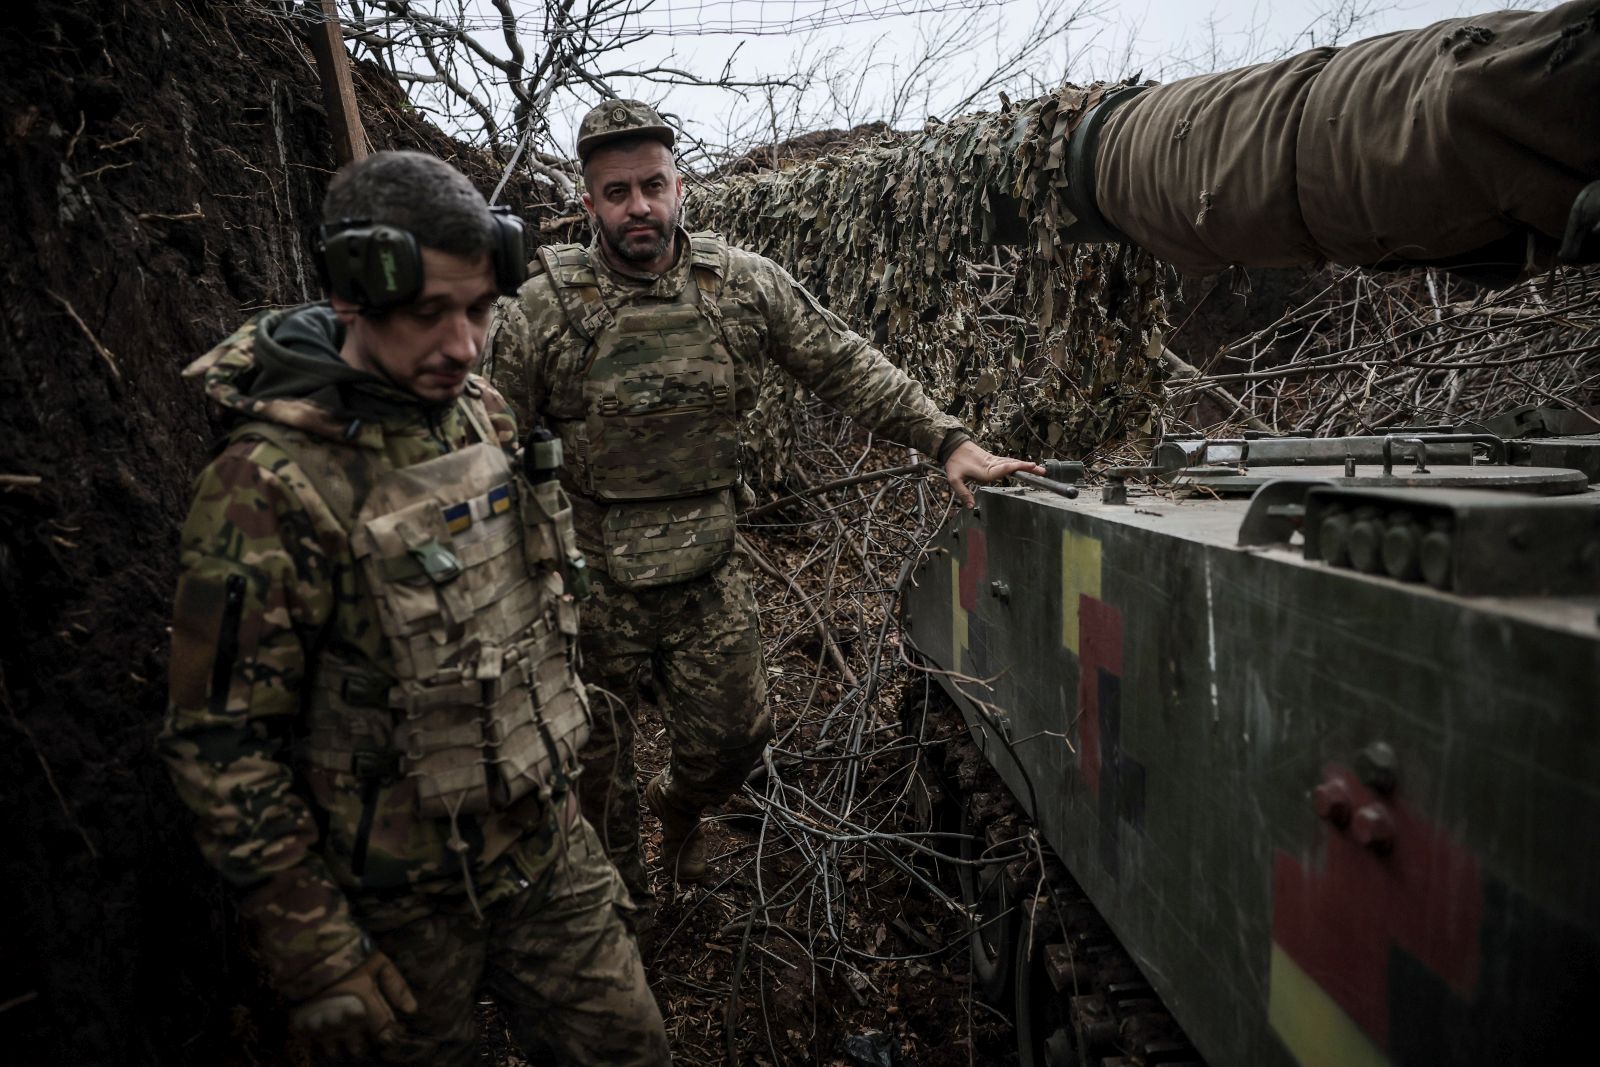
(850, 72)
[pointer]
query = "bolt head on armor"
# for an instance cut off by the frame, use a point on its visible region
(616, 119)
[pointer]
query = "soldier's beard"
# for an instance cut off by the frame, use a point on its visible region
(637, 249)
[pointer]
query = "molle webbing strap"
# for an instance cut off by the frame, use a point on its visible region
(577, 289)
(478, 417)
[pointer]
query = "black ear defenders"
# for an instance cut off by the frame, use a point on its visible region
(378, 267)
(372, 266)
(507, 252)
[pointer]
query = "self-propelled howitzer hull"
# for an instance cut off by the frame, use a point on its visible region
(1335, 817)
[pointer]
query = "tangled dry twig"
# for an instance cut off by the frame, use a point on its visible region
(825, 919)
(1361, 353)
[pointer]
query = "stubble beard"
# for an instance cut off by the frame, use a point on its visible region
(642, 254)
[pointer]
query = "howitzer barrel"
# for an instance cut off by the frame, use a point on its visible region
(1455, 145)
(1471, 144)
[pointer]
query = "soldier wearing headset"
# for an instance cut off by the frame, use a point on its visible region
(374, 712)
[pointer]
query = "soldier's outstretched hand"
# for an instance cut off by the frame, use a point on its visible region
(971, 462)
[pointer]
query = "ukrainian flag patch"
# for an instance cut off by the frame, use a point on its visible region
(459, 517)
(499, 500)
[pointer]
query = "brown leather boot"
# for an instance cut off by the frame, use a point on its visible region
(683, 845)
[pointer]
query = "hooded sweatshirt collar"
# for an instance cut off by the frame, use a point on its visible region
(284, 366)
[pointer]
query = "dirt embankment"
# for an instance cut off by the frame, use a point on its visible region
(161, 163)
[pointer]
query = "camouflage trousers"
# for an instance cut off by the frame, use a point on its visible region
(553, 948)
(700, 641)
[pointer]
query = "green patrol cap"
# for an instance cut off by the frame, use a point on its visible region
(616, 119)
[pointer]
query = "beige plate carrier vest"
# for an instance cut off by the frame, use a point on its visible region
(659, 441)
(462, 558)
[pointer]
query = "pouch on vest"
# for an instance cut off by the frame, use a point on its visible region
(549, 540)
(661, 419)
(657, 542)
(488, 705)
(474, 703)
(658, 443)
(538, 752)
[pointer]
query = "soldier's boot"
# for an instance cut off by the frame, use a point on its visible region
(683, 842)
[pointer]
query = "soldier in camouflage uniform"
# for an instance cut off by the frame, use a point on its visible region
(641, 351)
(374, 711)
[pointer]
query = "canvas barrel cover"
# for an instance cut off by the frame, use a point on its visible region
(1201, 171)
(1424, 146)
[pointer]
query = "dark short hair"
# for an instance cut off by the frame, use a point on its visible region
(622, 144)
(415, 192)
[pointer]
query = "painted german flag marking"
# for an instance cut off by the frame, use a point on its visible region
(1341, 916)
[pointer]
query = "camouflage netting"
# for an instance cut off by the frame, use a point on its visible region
(942, 247)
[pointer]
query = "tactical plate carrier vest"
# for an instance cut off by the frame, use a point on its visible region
(659, 441)
(463, 559)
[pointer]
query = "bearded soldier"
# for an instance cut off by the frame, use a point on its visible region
(374, 711)
(641, 352)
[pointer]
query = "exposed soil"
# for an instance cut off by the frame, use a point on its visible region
(161, 163)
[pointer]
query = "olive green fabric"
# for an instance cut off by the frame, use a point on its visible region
(1416, 146)
(1201, 171)
(264, 567)
(696, 630)
(660, 419)
(469, 600)
(659, 439)
(1430, 144)
(657, 542)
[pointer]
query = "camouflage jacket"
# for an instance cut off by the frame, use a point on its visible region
(538, 360)
(266, 581)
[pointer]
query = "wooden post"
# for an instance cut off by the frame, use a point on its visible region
(338, 91)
